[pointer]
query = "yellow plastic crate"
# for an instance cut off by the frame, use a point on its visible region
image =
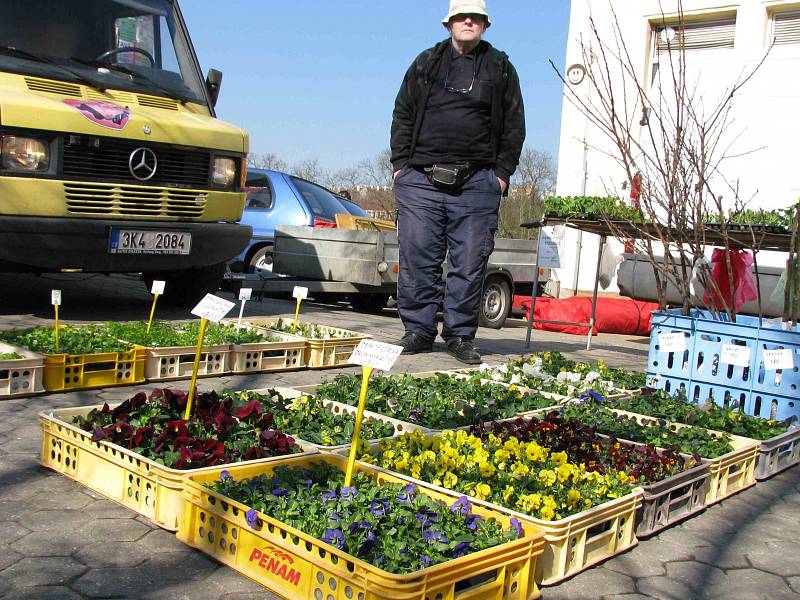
(177, 362)
(323, 354)
(80, 371)
(731, 472)
(296, 565)
(138, 483)
(20, 376)
(572, 544)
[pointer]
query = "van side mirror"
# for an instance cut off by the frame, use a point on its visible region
(213, 83)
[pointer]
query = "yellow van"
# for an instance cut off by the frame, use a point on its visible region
(111, 157)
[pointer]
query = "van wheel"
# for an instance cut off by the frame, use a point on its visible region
(495, 303)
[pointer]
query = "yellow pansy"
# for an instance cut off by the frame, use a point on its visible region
(520, 470)
(450, 480)
(558, 458)
(529, 502)
(565, 471)
(573, 497)
(487, 469)
(482, 491)
(508, 492)
(547, 477)
(502, 456)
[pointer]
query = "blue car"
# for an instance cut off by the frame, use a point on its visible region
(275, 198)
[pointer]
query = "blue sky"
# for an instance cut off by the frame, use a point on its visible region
(317, 78)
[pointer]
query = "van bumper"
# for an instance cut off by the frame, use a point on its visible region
(54, 244)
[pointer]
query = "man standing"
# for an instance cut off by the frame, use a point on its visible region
(457, 133)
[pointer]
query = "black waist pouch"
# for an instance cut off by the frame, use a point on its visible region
(450, 176)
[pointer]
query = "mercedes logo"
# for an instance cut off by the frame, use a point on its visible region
(143, 163)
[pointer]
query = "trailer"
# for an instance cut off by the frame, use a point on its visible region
(362, 266)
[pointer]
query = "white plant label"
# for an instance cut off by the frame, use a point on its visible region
(738, 356)
(672, 342)
(778, 359)
(213, 308)
(245, 293)
(158, 287)
(377, 355)
(551, 247)
(300, 292)
(55, 297)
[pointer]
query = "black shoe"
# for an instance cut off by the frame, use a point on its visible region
(464, 351)
(413, 343)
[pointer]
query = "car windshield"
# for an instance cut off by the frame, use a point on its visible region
(323, 203)
(135, 45)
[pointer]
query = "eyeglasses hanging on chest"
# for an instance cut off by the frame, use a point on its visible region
(461, 90)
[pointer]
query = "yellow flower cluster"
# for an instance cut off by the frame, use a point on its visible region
(522, 476)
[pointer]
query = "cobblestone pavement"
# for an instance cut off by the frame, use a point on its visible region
(58, 540)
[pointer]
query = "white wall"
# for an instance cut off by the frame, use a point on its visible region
(765, 125)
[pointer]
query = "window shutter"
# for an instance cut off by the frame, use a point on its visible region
(701, 35)
(786, 27)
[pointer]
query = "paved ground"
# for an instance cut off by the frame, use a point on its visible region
(59, 540)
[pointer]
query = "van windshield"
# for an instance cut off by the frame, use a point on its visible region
(135, 45)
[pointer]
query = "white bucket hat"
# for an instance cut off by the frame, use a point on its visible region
(467, 7)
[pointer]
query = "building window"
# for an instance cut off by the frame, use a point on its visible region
(719, 32)
(786, 27)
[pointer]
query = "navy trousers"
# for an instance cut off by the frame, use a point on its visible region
(432, 223)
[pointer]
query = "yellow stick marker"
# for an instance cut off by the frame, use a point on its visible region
(56, 307)
(152, 312)
(296, 314)
(55, 300)
(190, 399)
(366, 373)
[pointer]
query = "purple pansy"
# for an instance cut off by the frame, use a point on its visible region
(461, 506)
(433, 536)
(349, 493)
(472, 521)
(328, 496)
(517, 526)
(406, 495)
(280, 492)
(225, 476)
(461, 549)
(379, 507)
(426, 517)
(334, 537)
(251, 516)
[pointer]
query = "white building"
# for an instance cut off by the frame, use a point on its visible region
(723, 40)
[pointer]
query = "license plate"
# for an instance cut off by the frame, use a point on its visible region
(149, 241)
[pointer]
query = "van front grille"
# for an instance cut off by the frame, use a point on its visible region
(91, 159)
(133, 201)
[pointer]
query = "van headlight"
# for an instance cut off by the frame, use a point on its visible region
(224, 171)
(24, 154)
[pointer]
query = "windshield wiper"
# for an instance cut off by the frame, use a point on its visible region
(133, 73)
(44, 60)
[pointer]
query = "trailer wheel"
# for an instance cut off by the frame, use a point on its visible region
(261, 260)
(495, 303)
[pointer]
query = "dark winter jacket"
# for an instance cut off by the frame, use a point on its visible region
(508, 113)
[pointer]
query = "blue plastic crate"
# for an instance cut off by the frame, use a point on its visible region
(705, 338)
(727, 396)
(701, 374)
(785, 382)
